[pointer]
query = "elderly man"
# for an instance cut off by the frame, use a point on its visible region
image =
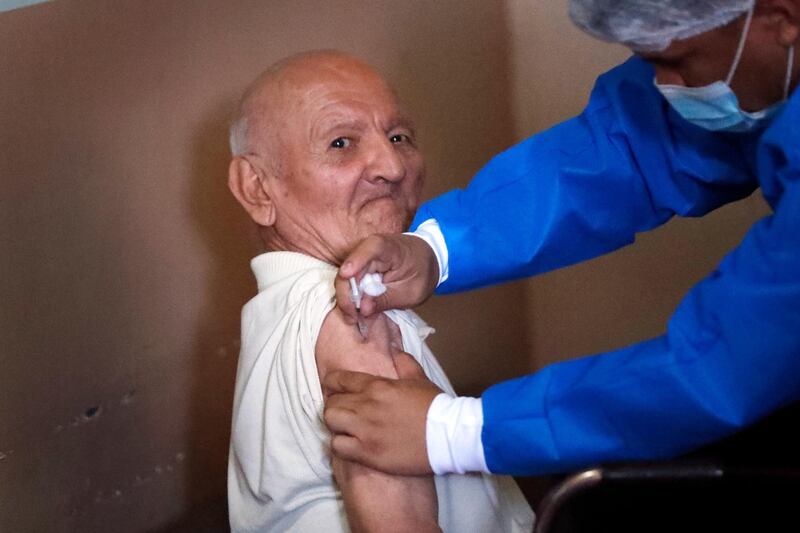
(322, 158)
(706, 112)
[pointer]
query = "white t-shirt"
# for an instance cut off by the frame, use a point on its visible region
(279, 470)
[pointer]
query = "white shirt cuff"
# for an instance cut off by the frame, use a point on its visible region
(430, 232)
(453, 435)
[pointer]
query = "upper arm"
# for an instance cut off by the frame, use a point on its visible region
(341, 347)
(373, 499)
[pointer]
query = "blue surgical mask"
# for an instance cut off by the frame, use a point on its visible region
(715, 106)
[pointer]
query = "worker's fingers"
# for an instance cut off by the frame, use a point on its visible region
(343, 401)
(343, 300)
(373, 254)
(408, 267)
(367, 306)
(371, 305)
(339, 418)
(340, 381)
(376, 253)
(347, 448)
(407, 367)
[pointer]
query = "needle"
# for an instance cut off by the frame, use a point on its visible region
(355, 296)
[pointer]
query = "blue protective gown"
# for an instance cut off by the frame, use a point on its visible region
(628, 163)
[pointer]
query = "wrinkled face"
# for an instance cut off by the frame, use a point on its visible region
(349, 163)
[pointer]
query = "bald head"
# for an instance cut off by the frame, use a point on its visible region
(268, 100)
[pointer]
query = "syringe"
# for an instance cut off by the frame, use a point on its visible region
(355, 296)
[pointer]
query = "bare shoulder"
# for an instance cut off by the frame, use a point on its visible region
(341, 347)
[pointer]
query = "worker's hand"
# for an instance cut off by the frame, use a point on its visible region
(409, 268)
(381, 422)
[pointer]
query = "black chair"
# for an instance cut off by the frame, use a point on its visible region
(749, 482)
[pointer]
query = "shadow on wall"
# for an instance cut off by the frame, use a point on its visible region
(231, 241)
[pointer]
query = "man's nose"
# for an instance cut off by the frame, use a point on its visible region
(385, 162)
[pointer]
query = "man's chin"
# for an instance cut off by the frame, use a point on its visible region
(384, 217)
(381, 229)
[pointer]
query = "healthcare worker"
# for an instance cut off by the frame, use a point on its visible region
(704, 113)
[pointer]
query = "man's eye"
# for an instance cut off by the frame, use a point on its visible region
(340, 142)
(399, 138)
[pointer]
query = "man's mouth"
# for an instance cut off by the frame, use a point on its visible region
(386, 196)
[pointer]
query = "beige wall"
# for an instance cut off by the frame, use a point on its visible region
(124, 259)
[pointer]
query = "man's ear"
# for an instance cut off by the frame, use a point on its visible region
(787, 13)
(244, 183)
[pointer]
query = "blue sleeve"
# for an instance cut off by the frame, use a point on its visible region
(587, 186)
(731, 354)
